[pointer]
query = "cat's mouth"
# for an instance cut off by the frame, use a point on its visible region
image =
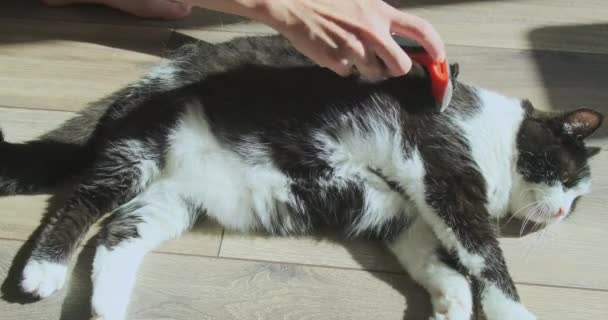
(552, 216)
(544, 214)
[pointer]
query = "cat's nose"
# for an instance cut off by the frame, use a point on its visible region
(561, 212)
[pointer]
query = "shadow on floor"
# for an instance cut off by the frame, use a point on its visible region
(11, 291)
(418, 304)
(98, 19)
(574, 79)
(92, 13)
(78, 293)
(95, 14)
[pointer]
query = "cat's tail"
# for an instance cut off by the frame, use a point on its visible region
(38, 165)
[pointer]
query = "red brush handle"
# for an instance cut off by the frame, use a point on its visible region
(438, 71)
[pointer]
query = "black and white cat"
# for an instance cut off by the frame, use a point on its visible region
(251, 134)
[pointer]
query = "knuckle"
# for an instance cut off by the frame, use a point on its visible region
(341, 68)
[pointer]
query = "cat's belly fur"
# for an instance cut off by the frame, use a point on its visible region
(242, 194)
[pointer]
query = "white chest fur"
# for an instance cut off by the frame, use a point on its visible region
(492, 137)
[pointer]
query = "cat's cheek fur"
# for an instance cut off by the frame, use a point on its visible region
(540, 202)
(43, 278)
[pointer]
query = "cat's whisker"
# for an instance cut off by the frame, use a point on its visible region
(540, 239)
(585, 167)
(513, 215)
(532, 213)
(526, 219)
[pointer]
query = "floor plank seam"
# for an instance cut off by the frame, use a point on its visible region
(36, 109)
(14, 240)
(333, 267)
(134, 25)
(89, 247)
(85, 22)
(219, 248)
(556, 286)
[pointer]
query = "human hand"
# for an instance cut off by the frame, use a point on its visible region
(342, 34)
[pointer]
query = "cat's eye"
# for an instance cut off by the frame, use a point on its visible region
(567, 180)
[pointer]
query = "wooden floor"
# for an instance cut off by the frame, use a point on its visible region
(54, 62)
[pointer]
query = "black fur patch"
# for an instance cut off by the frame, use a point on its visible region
(121, 226)
(393, 185)
(548, 156)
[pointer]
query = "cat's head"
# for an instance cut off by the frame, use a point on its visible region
(552, 169)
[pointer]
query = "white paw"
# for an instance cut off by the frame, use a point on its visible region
(511, 311)
(497, 306)
(42, 278)
(108, 309)
(113, 277)
(452, 307)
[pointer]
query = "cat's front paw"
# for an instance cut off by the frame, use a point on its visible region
(42, 278)
(497, 306)
(452, 307)
(508, 311)
(108, 312)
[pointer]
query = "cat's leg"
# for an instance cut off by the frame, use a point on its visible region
(417, 249)
(460, 221)
(115, 178)
(134, 229)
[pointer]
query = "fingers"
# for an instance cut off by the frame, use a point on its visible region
(344, 36)
(414, 27)
(394, 57)
(370, 67)
(353, 52)
(347, 42)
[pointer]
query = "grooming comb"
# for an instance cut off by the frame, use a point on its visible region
(438, 71)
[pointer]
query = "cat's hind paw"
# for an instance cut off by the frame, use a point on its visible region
(43, 278)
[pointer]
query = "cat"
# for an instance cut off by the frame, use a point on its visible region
(253, 135)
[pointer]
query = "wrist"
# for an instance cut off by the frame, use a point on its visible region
(259, 10)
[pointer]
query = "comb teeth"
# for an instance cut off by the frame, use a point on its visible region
(408, 44)
(441, 74)
(445, 102)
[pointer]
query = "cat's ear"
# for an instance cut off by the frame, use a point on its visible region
(592, 151)
(454, 71)
(527, 106)
(581, 123)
